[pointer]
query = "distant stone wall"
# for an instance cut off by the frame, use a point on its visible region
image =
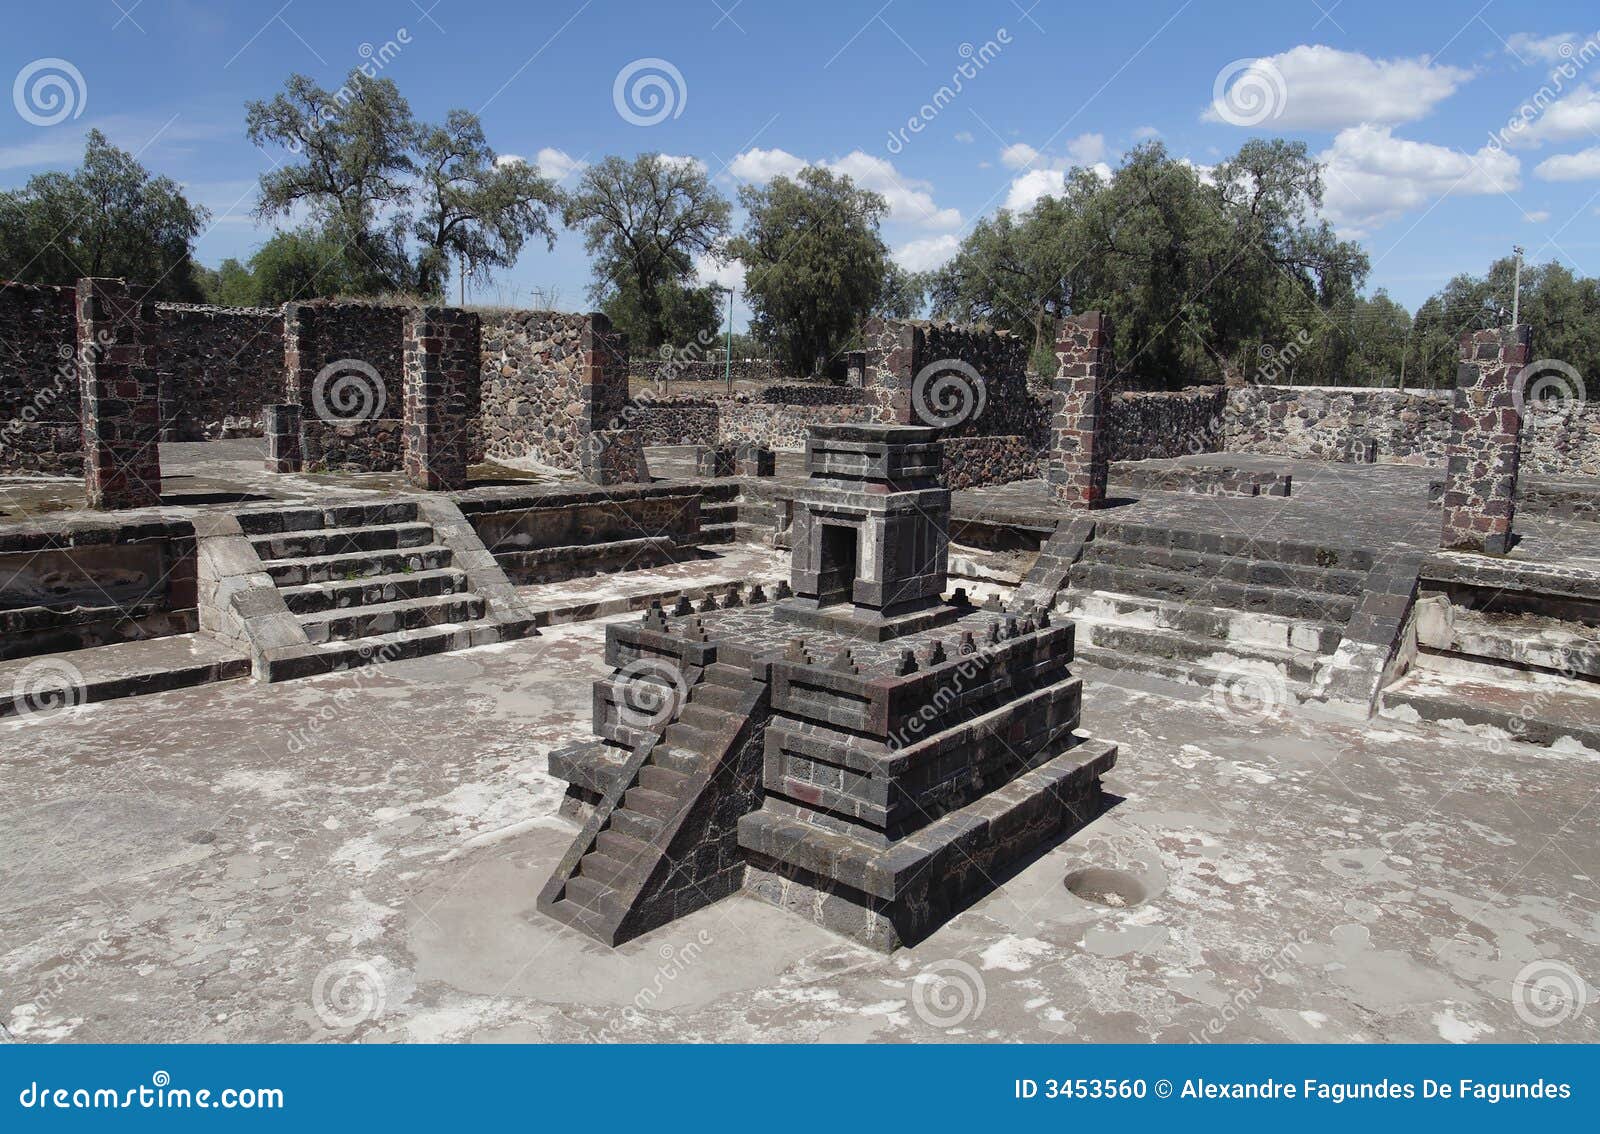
(1562, 438)
(1145, 426)
(342, 366)
(743, 417)
(970, 462)
(549, 379)
(908, 386)
(703, 370)
(40, 427)
(218, 367)
(1409, 427)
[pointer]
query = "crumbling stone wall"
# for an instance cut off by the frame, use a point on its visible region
(218, 366)
(970, 462)
(442, 370)
(1323, 422)
(40, 429)
(1146, 426)
(549, 379)
(342, 366)
(1485, 441)
(908, 386)
(119, 395)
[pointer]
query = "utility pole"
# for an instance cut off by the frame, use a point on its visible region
(1516, 288)
(1404, 351)
(728, 359)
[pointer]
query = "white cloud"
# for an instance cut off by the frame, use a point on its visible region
(927, 253)
(910, 200)
(1319, 87)
(1087, 149)
(964, 137)
(1017, 155)
(1581, 166)
(685, 161)
(555, 164)
(1144, 133)
(1372, 177)
(1538, 216)
(1545, 47)
(709, 271)
(761, 166)
(1036, 183)
(1567, 119)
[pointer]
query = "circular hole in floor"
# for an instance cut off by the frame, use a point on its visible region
(1106, 887)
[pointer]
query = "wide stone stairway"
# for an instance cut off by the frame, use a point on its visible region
(1206, 608)
(378, 582)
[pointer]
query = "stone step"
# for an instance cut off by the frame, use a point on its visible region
(681, 735)
(1168, 645)
(340, 594)
(358, 565)
(390, 617)
(593, 896)
(718, 533)
(703, 717)
(730, 676)
(337, 516)
(1235, 544)
(45, 686)
(635, 824)
(1545, 711)
(602, 868)
(655, 804)
(326, 657)
(342, 541)
(623, 848)
(723, 697)
(677, 759)
(724, 513)
(1249, 627)
(1525, 641)
(659, 778)
(1238, 569)
(1173, 585)
(1263, 685)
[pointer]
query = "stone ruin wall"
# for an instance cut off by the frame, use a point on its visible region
(219, 366)
(539, 399)
(41, 431)
(348, 421)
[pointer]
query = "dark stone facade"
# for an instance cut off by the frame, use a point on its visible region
(41, 430)
(1139, 426)
(119, 395)
(1078, 461)
(441, 366)
(342, 366)
(970, 462)
(219, 366)
(1480, 486)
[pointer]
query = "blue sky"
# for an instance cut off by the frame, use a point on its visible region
(1400, 98)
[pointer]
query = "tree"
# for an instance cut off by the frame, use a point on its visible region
(230, 285)
(903, 293)
(110, 217)
(474, 206)
(687, 315)
(814, 263)
(644, 221)
(356, 172)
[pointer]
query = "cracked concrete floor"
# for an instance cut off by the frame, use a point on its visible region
(356, 856)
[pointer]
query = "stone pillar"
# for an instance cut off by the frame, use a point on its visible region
(119, 396)
(285, 453)
(1076, 466)
(603, 378)
(440, 363)
(1485, 441)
